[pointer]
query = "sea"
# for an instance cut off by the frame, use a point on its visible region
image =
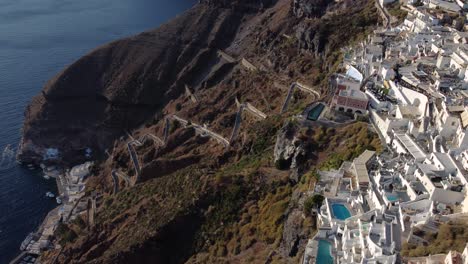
(38, 38)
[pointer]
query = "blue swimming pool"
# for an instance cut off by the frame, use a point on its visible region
(324, 255)
(340, 211)
(392, 197)
(315, 112)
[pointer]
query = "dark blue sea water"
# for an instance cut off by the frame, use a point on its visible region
(37, 39)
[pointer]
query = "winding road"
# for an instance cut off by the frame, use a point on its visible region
(133, 154)
(202, 130)
(300, 86)
(250, 109)
(227, 57)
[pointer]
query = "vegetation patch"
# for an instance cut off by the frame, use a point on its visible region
(345, 144)
(395, 10)
(451, 236)
(65, 234)
(314, 201)
(259, 220)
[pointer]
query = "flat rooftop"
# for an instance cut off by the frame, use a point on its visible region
(360, 167)
(411, 146)
(354, 94)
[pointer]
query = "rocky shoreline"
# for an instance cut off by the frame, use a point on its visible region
(71, 185)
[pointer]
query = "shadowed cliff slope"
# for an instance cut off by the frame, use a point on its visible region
(120, 85)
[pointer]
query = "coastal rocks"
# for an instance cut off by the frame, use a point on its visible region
(289, 151)
(29, 153)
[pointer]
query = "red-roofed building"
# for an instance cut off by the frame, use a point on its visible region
(352, 101)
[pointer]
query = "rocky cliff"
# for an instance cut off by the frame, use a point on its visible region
(195, 200)
(122, 85)
(125, 84)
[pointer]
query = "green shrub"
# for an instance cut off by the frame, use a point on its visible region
(395, 10)
(79, 222)
(282, 164)
(175, 125)
(314, 174)
(334, 161)
(313, 202)
(362, 118)
(65, 234)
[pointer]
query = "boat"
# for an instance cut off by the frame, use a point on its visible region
(50, 194)
(26, 241)
(47, 177)
(59, 201)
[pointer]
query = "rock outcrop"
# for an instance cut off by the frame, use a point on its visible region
(290, 151)
(310, 8)
(295, 234)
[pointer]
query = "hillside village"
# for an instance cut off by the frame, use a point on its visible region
(411, 80)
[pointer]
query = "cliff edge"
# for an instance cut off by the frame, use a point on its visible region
(123, 84)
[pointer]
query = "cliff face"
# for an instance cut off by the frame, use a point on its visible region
(123, 84)
(195, 201)
(127, 83)
(310, 8)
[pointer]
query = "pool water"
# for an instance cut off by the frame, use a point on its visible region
(340, 211)
(392, 197)
(315, 112)
(324, 253)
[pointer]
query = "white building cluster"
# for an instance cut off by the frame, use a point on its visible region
(415, 77)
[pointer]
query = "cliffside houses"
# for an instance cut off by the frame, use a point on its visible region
(423, 114)
(412, 81)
